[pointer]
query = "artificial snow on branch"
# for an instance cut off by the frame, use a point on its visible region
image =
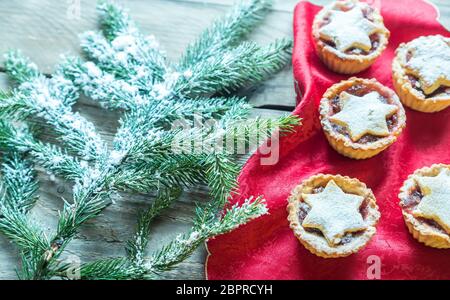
(126, 70)
(139, 267)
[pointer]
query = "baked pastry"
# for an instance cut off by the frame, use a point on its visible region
(349, 36)
(332, 215)
(361, 117)
(421, 73)
(425, 203)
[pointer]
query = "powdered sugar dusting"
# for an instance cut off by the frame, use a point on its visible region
(349, 29)
(430, 61)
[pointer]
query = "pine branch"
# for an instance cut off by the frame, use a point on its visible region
(16, 227)
(57, 161)
(171, 170)
(19, 68)
(258, 130)
(50, 99)
(88, 203)
(221, 176)
(129, 72)
(114, 20)
(173, 253)
(20, 187)
(136, 247)
(139, 55)
(178, 250)
(226, 32)
(130, 56)
(245, 65)
(101, 86)
(52, 158)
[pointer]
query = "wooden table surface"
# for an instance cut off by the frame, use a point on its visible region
(44, 29)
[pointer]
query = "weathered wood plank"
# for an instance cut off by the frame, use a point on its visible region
(285, 5)
(47, 28)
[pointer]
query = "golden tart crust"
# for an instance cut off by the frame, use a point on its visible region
(338, 137)
(349, 62)
(314, 240)
(408, 87)
(425, 231)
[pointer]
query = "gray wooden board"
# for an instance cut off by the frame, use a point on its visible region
(44, 29)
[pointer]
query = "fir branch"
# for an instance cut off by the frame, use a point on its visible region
(92, 194)
(226, 32)
(148, 121)
(87, 204)
(18, 196)
(221, 176)
(52, 158)
(90, 199)
(115, 93)
(230, 136)
(13, 137)
(242, 66)
(97, 48)
(138, 53)
(23, 71)
(17, 227)
(19, 68)
(145, 176)
(130, 56)
(107, 269)
(114, 20)
(101, 86)
(173, 253)
(50, 99)
(131, 73)
(19, 185)
(57, 161)
(258, 129)
(136, 247)
(178, 250)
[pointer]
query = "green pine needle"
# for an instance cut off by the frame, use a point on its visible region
(129, 72)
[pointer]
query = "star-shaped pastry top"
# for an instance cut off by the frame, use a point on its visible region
(435, 204)
(349, 29)
(430, 62)
(363, 115)
(334, 213)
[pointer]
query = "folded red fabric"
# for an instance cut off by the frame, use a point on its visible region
(266, 248)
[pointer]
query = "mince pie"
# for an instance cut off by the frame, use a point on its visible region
(361, 117)
(425, 202)
(332, 215)
(421, 73)
(349, 36)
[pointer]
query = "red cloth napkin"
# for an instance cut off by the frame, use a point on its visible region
(266, 248)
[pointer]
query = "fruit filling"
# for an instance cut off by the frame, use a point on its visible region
(411, 202)
(361, 90)
(374, 38)
(304, 209)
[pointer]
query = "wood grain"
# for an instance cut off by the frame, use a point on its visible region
(44, 29)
